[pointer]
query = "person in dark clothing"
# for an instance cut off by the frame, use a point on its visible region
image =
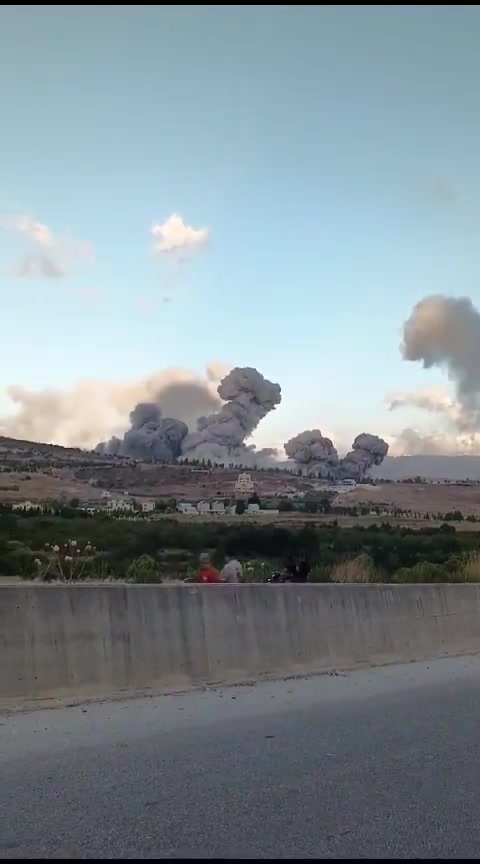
(304, 569)
(291, 570)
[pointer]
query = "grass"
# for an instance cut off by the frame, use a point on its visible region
(470, 566)
(354, 570)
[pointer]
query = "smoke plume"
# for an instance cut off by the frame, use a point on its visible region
(220, 436)
(445, 332)
(367, 451)
(167, 406)
(316, 455)
(313, 453)
(248, 398)
(150, 436)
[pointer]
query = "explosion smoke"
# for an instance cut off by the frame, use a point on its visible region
(248, 398)
(367, 451)
(317, 455)
(150, 437)
(445, 332)
(220, 437)
(313, 453)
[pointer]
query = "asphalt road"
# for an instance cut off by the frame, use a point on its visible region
(382, 763)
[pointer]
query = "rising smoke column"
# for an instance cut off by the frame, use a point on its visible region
(248, 398)
(313, 453)
(445, 332)
(150, 436)
(317, 455)
(367, 451)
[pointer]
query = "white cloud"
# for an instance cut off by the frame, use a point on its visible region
(174, 236)
(46, 255)
(458, 436)
(413, 441)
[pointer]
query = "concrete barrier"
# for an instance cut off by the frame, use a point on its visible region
(92, 640)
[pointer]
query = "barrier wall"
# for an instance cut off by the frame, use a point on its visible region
(94, 639)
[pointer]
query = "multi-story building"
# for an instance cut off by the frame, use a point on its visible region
(244, 486)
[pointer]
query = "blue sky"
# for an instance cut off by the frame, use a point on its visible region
(332, 153)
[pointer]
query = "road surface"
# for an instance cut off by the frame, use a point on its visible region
(380, 763)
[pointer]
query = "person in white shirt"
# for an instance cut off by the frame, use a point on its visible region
(232, 571)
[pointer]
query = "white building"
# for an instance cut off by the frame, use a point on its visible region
(27, 506)
(119, 504)
(244, 486)
(218, 507)
(148, 506)
(187, 509)
(203, 506)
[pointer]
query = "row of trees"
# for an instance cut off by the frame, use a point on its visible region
(118, 543)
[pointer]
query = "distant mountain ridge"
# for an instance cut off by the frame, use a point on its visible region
(433, 467)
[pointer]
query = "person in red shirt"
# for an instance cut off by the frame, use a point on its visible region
(208, 574)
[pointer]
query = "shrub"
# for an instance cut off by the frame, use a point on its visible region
(143, 570)
(360, 569)
(424, 572)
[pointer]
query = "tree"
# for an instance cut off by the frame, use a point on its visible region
(240, 507)
(285, 505)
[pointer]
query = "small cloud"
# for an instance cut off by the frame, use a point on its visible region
(174, 236)
(166, 299)
(39, 264)
(47, 256)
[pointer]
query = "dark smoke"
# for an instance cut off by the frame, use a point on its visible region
(220, 437)
(317, 455)
(367, 451)
(150, 436)
(313, 453)
(248, 398)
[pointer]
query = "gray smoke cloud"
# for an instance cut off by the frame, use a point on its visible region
(313, 453)
(317, 455)
(150, 436)
(248, 398)
(445, 332)
(367, 451)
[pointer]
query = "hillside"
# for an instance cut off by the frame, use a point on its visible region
(36, 472)
(418, 498)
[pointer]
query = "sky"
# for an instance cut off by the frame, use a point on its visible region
(327, 156)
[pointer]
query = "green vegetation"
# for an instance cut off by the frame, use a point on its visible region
(152, 551)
